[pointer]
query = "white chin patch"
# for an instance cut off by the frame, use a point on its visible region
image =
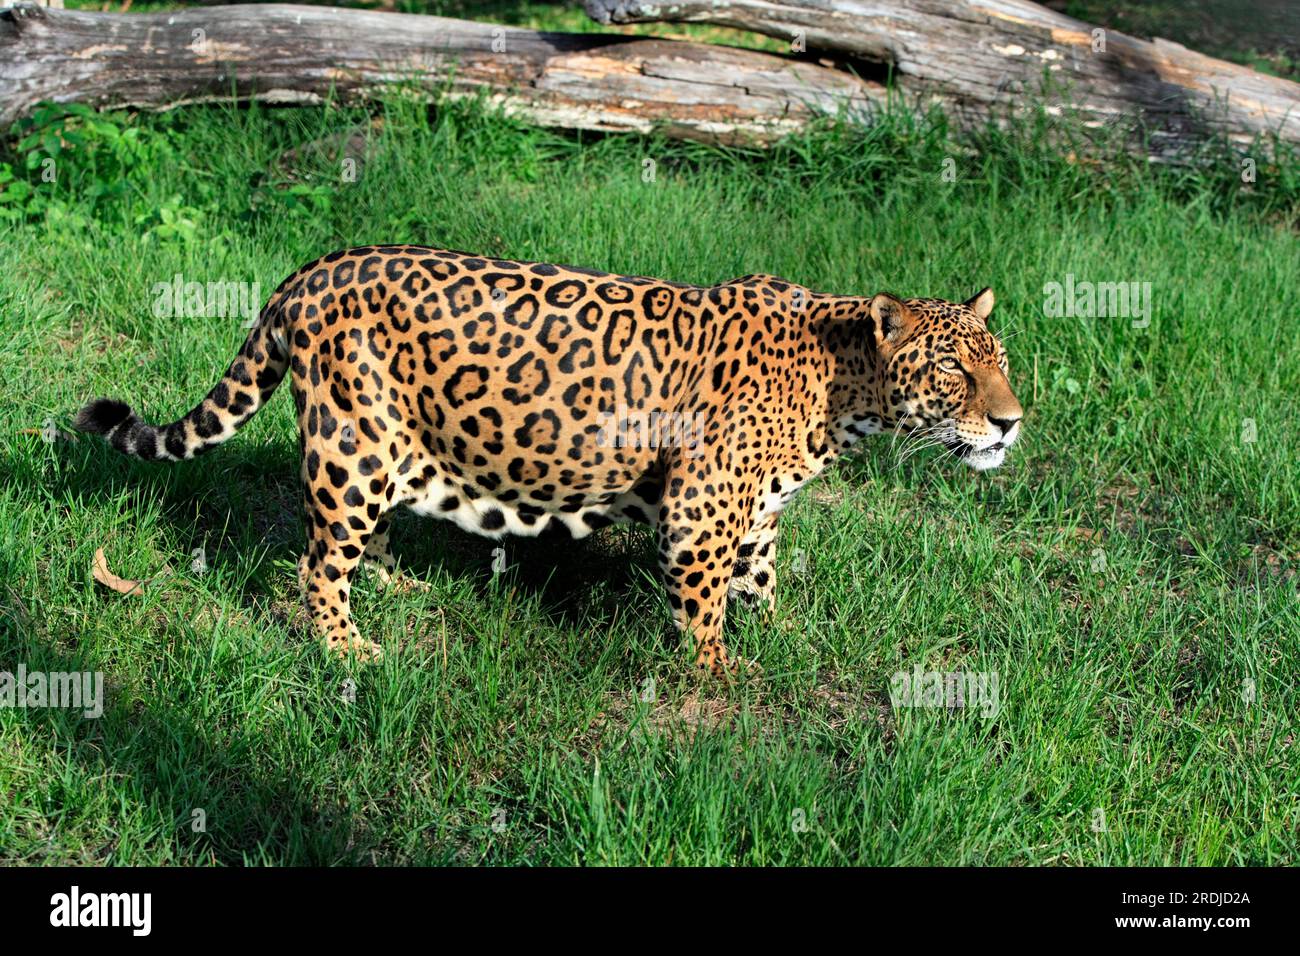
(985, 459)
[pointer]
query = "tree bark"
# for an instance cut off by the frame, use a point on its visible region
(281, 53)
(989, 59)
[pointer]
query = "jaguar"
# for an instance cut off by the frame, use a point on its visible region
(524, 398)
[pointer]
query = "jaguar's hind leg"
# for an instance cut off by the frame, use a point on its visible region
(753, 576)
(379, 561)
(378, 556)
(342, 517)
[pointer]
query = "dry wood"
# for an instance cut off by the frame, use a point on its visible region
(283, 53)
(987, 58)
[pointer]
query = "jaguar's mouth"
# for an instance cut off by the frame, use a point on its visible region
(981, 459)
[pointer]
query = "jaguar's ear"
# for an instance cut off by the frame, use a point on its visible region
(981, 303)
(892, 317)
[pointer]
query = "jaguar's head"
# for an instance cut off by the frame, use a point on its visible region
(942, 374)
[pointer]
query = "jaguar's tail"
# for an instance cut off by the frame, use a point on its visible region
(247, 384)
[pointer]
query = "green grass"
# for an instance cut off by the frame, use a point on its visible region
(1125, 576)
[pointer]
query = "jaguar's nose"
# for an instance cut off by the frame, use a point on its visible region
(1006, 424)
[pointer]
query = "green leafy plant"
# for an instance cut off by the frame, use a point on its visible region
(68, 153)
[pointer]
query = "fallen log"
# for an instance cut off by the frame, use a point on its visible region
(282, 53)
(989, 59)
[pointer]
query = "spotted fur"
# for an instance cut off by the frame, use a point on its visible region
(494, 394)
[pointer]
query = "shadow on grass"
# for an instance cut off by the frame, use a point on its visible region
(256, 808)
(174, 766)
(251, 498)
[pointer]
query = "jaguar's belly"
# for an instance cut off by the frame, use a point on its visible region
(577, 516)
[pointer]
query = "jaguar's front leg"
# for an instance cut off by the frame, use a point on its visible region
(701, 523)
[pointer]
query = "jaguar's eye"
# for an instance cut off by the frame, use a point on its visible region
(950, 365)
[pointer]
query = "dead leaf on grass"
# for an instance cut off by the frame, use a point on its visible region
(110, 580)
